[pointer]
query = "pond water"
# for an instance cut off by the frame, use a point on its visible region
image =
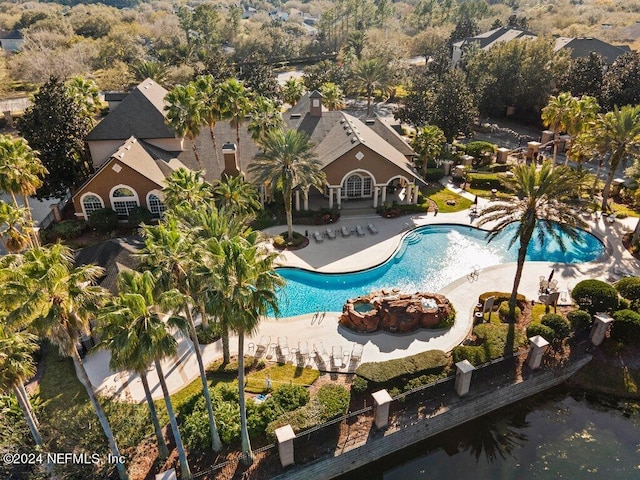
(554, 435)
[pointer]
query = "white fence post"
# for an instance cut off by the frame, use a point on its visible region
(381, 400)
(601, 325)
(285, 438)
(537, 350)
(463, 377)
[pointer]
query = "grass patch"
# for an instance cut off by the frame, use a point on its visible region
(487, 193)
(493, 339)
(537, 311)
(431, 361)
(441, 195)
(280, 375)
(621, 209)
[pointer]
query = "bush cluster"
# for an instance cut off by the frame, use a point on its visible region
(486, 181)
(505, 312)
(359, 384)
(493, 340)
(595, 296)
(538, 329)
(500, 297)
(580, 320)
(626, 327)
(434, 174)
(139, 215)
(629, 289)
(103, 220)
(558, 324)
(282, 241)
(65, 230)
(431, 361)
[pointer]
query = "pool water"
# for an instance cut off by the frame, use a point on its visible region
(428, 259)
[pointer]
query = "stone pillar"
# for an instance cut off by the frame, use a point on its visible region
(407, 193)
(330, 197)
(375, 196)
(416, 191)
(601, 324)
(384, 194)
(537, 350)
(306, 199)
(285, 438)
(56, 212)
(339, 196)
(463, 377)
(297, 200)
(381, 401)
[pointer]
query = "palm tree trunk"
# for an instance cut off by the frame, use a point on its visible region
(615, 160)
(522, 254)
(247, 454)
(369, 95)
(213, 140)
(226, 355)
(555, 148)
(195, 153)
(15, 200)
(287, 208)
(203, 315)
(185, 471)
(102, 417)
(28, 416)
(163, 451)
(216, 444)
(25, 395)
(595, 181)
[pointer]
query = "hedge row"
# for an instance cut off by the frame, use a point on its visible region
(431, 361)
(486, 181)
(493, 340)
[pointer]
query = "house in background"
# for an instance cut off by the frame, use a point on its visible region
(487, 40)
(11, 40)
(582, 47)
(133, 151)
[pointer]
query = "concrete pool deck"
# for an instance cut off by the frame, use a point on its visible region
(356, 253)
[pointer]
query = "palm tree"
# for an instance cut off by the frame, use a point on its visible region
(173, 257)
(428, 143)
(356, 42)
(12, 223)
(156, 71)
(370, 75)
(209, 101)
(292, 91)
(614, 135)
(56, 300)
(235, 195)
(184, 187)
(184, 114)
(585, 111)
(288, 160)
(86, 94)
(17, 366)
(332, 96)
(247, 294)
(558, 115)
(538, 204)
(130, 327)
(264, 116)
(234, 104)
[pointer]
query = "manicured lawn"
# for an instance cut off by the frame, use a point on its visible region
(441, 194)
(486, 193)
(280, 375)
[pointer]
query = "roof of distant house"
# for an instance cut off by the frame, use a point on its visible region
(582, 47)
(488, 39)
(10, 35)
(140, 114)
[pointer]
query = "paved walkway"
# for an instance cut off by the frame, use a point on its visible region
(355, 253)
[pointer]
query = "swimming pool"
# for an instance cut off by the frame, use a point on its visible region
(427, 259)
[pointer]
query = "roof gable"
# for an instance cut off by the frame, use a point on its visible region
(140, 114)
(582, 47)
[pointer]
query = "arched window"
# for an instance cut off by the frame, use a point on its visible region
(123, 200)
(156, 207)
(357, 186)
(91, 203)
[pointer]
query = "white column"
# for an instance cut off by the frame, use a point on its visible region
(408, 190)
(381, 401)
(536, 351)
(375, 197)
(601, 324)
(330, 197)
(463, 377)
(416, 191)
(384, 194)
(285, 438)
(297, 200)
(339, 196)
(306, 199)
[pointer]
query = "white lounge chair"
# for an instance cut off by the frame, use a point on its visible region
(318, 236)
(336, 357)
(303, 349)
(263, 344)
(372, 228)
(359, 230)
(321, 353)
(331, 235)
(345, 231)
(283, 347)
(356, 352)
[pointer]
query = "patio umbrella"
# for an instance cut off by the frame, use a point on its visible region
(475, 201)
(551, 274)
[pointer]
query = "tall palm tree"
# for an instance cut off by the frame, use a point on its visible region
(16, 367)
(86, 94)
(173, 257)
(332, 96)
(234, 104)
(247, 294)
(186, 187)
(614, 135)
(13, 222)
(236, 195)
(209, 100)
(585, 111)
(292, 91)
(288, 160)
(264, 116)
(558, 115)
(428, 143)
(184, 114)
(370, 75)
(135, 335)
(56, 300)
(156, 71)
(538, 204)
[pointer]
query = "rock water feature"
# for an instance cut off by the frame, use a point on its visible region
(397, 312)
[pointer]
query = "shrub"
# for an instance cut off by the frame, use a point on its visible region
(290, 397)
(580, 320)
(595, 296)
(629, 288)
(334, 400)
(139, 215)
(501, 297)
(481, 151)
(208, 335)
(434, 174)
(493, 340)
(281, 241)
(103, 220)
(359, 385)
(626, 327)
(557, 323)
(486, 181)
(537, 329)
(382, 372)
(505, 312)
(67, 229)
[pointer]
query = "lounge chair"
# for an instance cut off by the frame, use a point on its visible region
(331, 235)
(318, 236)
(283, 347)
(372, 228)
(356, 352)
(263, 344)
(321, 353)
(303, 349)
(336, 357)
(359, 230)
(345, 231)
(553, 285)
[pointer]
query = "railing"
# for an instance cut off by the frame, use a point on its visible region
(50, 218)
